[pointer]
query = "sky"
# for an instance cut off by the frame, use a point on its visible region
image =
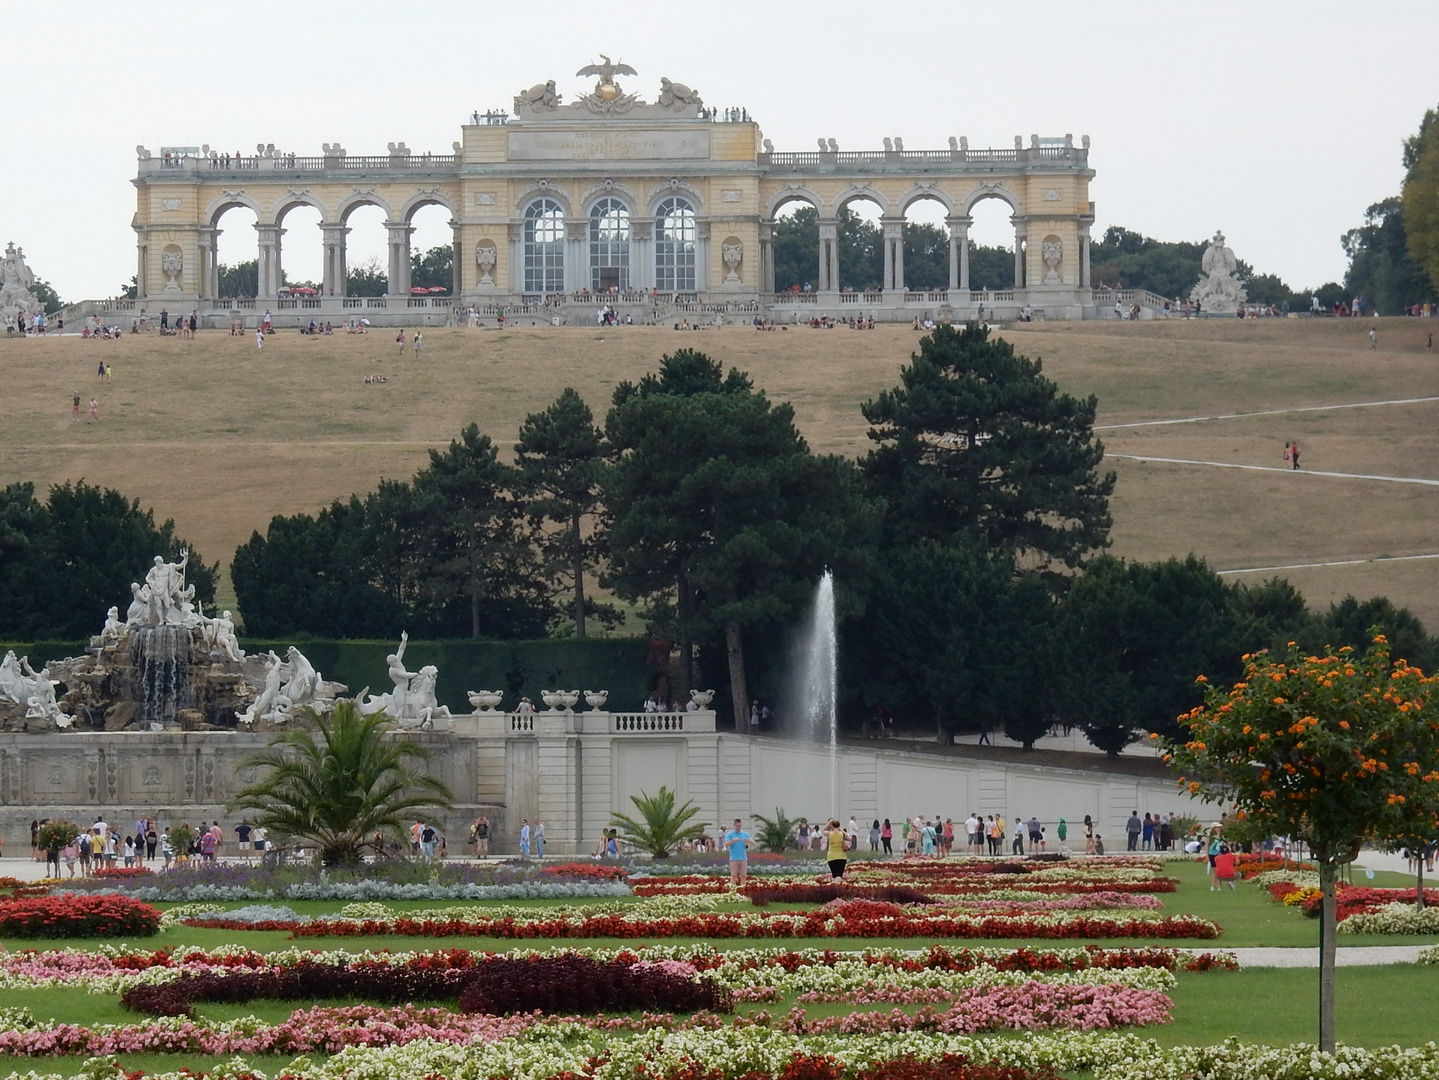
(1277, 122)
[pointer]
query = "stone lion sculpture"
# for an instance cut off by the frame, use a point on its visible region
(540, 96)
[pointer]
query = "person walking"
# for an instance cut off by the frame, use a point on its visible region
(95, 409)
(480, 836)
(539, 839)
(834, 849)
(418, 336)
(525, 839)
(1288, 454)
(1062, 832)
(1088, 835)
(886, 837)
(75, 406)
(1373, 339)
(1147, 841)
(1132, 828)
(1294, 455)
(874, 835)
(259, 339)
(738, 842)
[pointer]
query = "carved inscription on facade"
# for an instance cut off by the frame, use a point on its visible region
(609, 145)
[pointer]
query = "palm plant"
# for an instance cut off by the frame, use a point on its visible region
(340, 784)
(778, 834)
(662, 828)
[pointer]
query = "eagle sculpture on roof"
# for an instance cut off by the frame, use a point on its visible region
(607, 71)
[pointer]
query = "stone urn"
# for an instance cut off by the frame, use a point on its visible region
(560, 700)
(597, 698)
(485, 701)
(702, 698)
(485, 258)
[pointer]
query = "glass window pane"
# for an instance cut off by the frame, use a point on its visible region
(609, 246)
(544, 254)
(676, 243)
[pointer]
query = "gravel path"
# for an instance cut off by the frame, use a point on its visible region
(1343, 957)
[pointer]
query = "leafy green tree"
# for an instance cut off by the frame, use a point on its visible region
(65, 561)
(1353, 622)
(715, 500)
(129, 290)
(661, 827)
(957, 637)
(1333, 749)
(1420, 195)
(1135, 637)
(977, 442)
(861, 252)
(481, 550)
(49, 299)
(926, 257)
(559, 460)
(778, 833)
(434, 267)
(338, 785)
(1134, 261)
(240, 280)
(990, 268)
(368, 279)
(1381, 268)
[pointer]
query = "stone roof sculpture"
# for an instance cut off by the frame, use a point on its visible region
(1218, 289)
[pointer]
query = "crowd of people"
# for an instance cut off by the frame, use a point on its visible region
(101, 846)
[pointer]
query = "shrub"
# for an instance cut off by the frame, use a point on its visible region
(78, 915)
(571, 983)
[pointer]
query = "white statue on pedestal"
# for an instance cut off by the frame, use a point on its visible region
(412, 701)
(164, 599)
(18, 303)
(221, 632)
(266, 704)
(1218, 289)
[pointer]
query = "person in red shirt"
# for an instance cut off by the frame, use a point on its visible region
(1224, 873)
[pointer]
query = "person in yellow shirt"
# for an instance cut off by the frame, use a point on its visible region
(835, 849)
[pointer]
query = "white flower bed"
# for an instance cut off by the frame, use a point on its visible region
(1396, 918)
(351, 891)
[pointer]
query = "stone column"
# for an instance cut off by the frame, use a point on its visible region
(766, 256)
(642, 255)
(457, 265)
(959, 253)
(577, 255)
(517, 257)
(335, 271)
(399, 262)
(209, 262)
(702, 256)
(893, 230)
(1020, 232)
(1084, 280)
(269, 256)
(141, 269)
(828, 255)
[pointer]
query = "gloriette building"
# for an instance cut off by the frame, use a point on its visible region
(655, 207)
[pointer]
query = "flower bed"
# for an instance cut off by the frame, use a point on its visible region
(820, 923)
(71, 915)
(1397, 918)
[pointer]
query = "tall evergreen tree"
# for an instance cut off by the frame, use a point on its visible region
(559, 460)
(976, 442)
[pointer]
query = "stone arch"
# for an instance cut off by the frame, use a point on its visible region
(792, 193)
(292, 199)
(861, 191)
(350, 203)
(230, 201)
(991, 189)
(545, 188)
(925, 190)
(426, 197)
(674, 186)
(612, 189)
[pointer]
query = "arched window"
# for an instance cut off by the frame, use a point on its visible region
(675, 242)
(609, 246)
(544, 247)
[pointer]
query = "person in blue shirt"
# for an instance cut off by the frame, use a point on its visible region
(739, 842)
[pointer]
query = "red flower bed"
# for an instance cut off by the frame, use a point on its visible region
(123, 873)
(1362, 899)
(587, 870)
(78, 915)
(818, 923)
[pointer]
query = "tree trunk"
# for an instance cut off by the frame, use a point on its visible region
(1327, 923)
(738, 691)
(579, 572)
(686, 604)
(1419, 892)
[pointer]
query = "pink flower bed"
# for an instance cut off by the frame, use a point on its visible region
(1091, 902)
(1030, 1006)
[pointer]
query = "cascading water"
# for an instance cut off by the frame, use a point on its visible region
(819, 680)
(160, 658)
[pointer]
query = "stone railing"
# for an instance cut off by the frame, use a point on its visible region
(645, 722)
(1143, 297)
(556, 723)
(250, 164)
(1066, 156)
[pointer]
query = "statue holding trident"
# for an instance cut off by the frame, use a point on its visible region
(168, 601)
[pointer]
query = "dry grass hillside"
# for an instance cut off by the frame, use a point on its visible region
(221, 436)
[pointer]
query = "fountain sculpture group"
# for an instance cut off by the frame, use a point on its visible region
(166, 665)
